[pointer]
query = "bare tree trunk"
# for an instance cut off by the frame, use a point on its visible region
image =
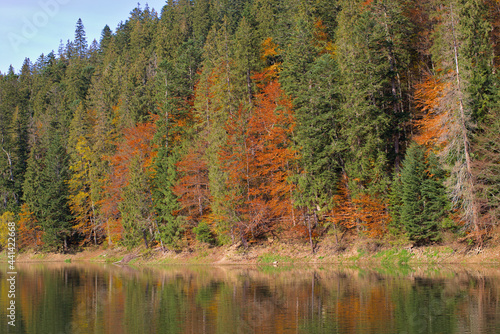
(465, 139)
(309, 230)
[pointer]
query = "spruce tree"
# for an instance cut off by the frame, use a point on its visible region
(80, 43)
(422, 201)
(55, 215)
(372, 54)
(135, 206)
(46, 191)
(165, 202)
(310, 76)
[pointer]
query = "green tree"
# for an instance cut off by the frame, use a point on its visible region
(310, 76)
(80, 43)
(135, 206)
(462, 56)
(372, 54)
(422, 197)
(45, 189)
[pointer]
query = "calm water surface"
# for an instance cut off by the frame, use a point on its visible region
(91, 298)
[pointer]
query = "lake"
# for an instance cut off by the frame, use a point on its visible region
(96, 298)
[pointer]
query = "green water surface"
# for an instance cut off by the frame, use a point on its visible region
(93, 298)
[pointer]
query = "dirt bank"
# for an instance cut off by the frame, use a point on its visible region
(276, 252)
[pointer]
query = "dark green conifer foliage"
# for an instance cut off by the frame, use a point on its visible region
(165, 202)
(21, 152)
(423, 196)
(135, 206)
(246, 55)
(476, 56)
(310, 75)
(8, 100)
(372, 54)
(487, 168)
(81, 44)
(317, 134)
(201, 20)
(32, 183)
(106, 36)
(45, 189)
(15, 93)
(56, 214)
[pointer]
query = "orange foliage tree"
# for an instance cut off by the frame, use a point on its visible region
(259, 160)
(29, 232)
(429, 123)
(364, 211)
(135, 147)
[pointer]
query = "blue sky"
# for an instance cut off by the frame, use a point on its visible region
(29, 28)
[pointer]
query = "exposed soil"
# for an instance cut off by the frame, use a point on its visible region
(356, 251)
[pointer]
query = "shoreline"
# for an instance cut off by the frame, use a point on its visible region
(277, 253)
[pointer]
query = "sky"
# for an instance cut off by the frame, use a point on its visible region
(29, 28)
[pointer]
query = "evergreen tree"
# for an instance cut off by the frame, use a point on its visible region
(486, 168)
(135, 206)
(106, 36)
(372, 53)
(463, 58)
(46, 191)
(165, 202)
(422, 198)
(310, 76)
(80, 43)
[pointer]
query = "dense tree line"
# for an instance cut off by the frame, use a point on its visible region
(230, 121)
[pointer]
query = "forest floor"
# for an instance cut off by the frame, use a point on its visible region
(349, 251)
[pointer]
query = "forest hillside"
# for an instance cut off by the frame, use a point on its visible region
(235, 121)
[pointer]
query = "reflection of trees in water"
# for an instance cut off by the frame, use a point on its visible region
(109, 299)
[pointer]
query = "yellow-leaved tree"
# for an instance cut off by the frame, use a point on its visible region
(6, 218)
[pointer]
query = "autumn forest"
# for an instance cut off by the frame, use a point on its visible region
(235, 121)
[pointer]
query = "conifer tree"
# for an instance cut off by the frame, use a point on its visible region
(310, 75)
(419, 196)
(80, 43)
(45, 189)
(462, 56)
(371, 53)
(135, 205)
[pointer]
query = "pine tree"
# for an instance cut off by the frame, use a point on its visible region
(45, 189)
(310, 76)
(80, 43)
(135, 205)
(372, 53)
(419, 197)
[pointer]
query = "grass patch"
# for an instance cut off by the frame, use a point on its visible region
(67, 261)
(112, 259)
(392, 256)
(361, 253)
(271, 258)
(39, 256)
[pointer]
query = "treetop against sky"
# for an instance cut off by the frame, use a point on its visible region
(29, 28)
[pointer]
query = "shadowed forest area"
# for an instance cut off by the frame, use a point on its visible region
(233, 122)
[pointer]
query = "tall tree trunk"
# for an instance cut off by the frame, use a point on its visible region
(466, 146)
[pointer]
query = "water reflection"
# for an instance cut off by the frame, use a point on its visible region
(91, 298)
